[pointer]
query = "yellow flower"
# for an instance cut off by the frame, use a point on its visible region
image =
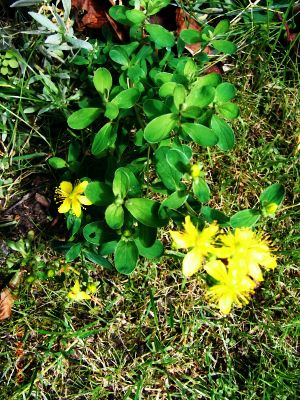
(247, 251)
(72, 198)
(200, 243)
(77, 294)
(196, 171)
(233, 287)
(270, 209)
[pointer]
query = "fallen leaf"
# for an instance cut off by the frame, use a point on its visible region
(93, 14)
(6, 302)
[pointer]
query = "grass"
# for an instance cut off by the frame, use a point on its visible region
(152, 335)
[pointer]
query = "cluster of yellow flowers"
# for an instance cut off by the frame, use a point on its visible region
(234, 260)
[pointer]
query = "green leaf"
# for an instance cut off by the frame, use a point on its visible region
(147, 235)
(97, 259)
(167, 89)
(111, 111)
(244, 218)
(145, 211)
(200, 96)
(74, 151)
(126, 256)
(273, 194)
(108, 248)
(160, 36)
(73, 224)
(154, 108)
(201, 190)
(73, 252)
(118, 13)
(119, 55)
(210, 215)
(190, 36)
(13, 63)
(229, 110)
(224, 46)
(175, 200)
(155, 251)
(82, 118)
(224, 133)
(179, 95)
(102, 139)
(222, 27)
(224, 92)
(177, 159)
(102, 80)
(114, 216)
(99, 193)
(162, 77)
(200, 134)
(94, 233)
(57, 163)
(127, 98)
(135, 16)
(190, 68)
(169, 175)
(44, 21)
(121, 183)
(160, 127)
(212, 79)
(154, 6)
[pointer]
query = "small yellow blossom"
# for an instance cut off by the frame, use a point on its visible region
(200, 243)
(76, 294)
(72, 198)
(196, 171)
(233, 287)
(270, 209)
(247, 251)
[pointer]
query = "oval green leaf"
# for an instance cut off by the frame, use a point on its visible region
(127, 98)
(99, 193)
(94, 232)
(200, 134)
(229, 110)
(244, 218)
(160, 127)
(114, 216)
(145, 211)
(201, 190)
(102, 80)
(224, 132)
(224, 92)
(160, 36)
(82, 118)
(102, 139)
(224, 46)
(273, 194)
(126, 256)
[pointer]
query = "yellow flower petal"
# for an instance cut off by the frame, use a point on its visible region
(190, 229)
(182, 240)
(76, 207)
(84, 200)
(66, 188)
(255, 272)
(225, 303)
(192, 262)
(80, 188)
(65, 207)
(216, 269)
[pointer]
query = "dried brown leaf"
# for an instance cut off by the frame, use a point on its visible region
(6, 303)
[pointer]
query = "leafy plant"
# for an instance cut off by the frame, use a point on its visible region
(152, 105)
